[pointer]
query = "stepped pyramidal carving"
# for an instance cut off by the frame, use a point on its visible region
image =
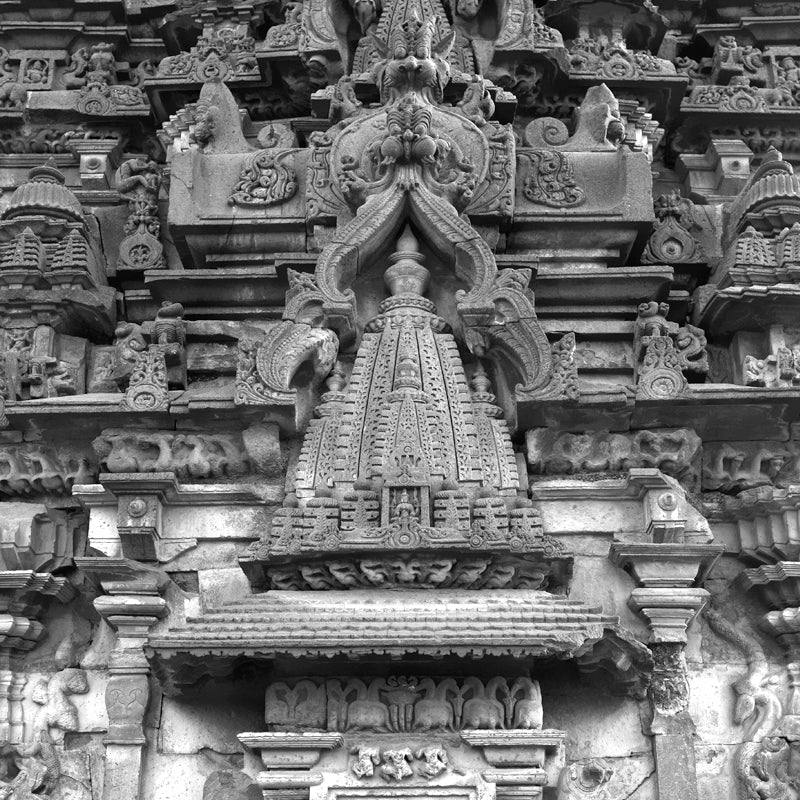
(399, 400)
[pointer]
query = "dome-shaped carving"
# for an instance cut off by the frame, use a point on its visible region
(771, 199)
(44, 193)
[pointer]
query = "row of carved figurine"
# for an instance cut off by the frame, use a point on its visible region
(723, 466)
(190, 454)
(33, 468)
(404, 703)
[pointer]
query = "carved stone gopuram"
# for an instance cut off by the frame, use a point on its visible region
(399, 400)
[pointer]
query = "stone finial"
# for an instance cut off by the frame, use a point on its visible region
(407, 275)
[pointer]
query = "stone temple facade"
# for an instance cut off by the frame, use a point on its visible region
(399, 400)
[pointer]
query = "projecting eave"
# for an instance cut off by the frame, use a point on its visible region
(396, 624)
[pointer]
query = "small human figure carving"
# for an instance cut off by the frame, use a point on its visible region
(435, 761)
(395, 764)
(367, 758)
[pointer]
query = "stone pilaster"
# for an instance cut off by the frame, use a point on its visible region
(668, 599)
(131, 607)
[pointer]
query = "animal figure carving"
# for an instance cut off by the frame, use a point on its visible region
(483, 709)
(367, 712)
(435, 761)
(367, 758)
(395, 764)
(300, 706)
(528, 706)
(433, 711)
(58, 714)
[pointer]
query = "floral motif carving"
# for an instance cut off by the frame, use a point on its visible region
(613, 60)
(738, 96)
(93, 72)
(147, 387)
(669, 689)
(224, 51)
(660, 376)
(672, 241)
(286, 36)
(550, 180)
(267, 178)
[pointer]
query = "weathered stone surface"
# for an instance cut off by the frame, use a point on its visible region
(674, 452)
(377, 378)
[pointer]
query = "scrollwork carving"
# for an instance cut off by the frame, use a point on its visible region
(476, 572)
(147, 387)
(665, 352)
(268, 178)
(550, 180)
(672, 241)
(265, 369)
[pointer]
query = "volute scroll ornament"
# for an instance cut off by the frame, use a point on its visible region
(267, 178)
(500, 322)
(266, 368)
(665, 353)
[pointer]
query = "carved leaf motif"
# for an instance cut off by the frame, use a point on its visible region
(551, 180)
(267, 179)
(148, 390)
